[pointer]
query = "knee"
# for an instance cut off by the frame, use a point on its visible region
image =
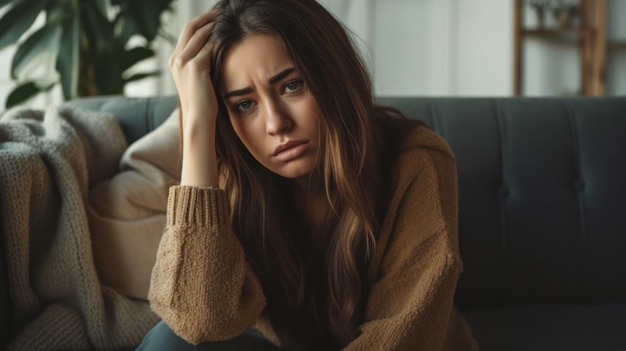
(162, 338)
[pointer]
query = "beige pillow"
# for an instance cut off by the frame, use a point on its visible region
(127, 212)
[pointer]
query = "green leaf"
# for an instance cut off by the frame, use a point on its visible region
(24, 92)
(44, 40)
(68, 60)
(125, 28)
(103, 6)
(97, 27)
(21, 94)
(18, 19)
(89, 43)
(109, 85)
(146, 16)
(134, 55)
(139, 76)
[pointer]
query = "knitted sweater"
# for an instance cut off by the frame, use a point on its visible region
(204, 289)
(48, 160)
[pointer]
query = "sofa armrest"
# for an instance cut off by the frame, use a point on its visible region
(137, 116)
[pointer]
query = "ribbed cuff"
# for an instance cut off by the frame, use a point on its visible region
(197, 206)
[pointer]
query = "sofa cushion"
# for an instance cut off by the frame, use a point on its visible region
(136, 115)
(550, 327)
(127, 212)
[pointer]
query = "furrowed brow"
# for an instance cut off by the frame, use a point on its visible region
(277, 78)
(238, 92)
(281, 75)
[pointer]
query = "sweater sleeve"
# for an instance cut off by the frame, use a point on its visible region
(411, 299)
(202, 285)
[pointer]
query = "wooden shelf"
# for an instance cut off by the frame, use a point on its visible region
(556, 31)
(590, 36)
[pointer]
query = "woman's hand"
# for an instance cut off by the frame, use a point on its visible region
(190, 65)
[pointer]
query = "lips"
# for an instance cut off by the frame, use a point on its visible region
(290, 150)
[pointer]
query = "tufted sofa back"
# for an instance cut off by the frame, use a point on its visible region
(542, 186)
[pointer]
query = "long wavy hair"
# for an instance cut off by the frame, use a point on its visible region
(263, 216)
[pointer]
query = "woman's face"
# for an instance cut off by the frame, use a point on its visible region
(270, 106)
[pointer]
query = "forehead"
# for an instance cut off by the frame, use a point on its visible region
(256, 58)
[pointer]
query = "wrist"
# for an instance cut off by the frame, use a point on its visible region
(198, 115)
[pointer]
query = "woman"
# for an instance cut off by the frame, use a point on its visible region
(307, 218)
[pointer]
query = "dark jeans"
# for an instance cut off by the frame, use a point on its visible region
(163, 338)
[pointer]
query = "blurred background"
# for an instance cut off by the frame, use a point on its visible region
(412, 47)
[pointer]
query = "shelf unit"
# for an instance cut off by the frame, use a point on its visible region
(590, 35)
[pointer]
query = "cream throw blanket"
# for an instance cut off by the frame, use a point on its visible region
(48, 161)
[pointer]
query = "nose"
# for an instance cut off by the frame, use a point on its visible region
(278, 120)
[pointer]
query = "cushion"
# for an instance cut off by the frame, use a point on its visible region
(127, 212)
(550, 327)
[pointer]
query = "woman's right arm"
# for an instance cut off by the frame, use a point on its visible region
(190, 65)
(201, 285)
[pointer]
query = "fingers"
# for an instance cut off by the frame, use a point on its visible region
(192, 26)
(204, 55)
(190, 65)
(193, 36)
(195, 45)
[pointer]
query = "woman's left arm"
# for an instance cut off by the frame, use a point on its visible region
(410, 303)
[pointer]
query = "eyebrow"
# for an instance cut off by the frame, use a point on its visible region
(278, 77)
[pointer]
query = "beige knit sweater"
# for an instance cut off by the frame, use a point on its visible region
(204, 289)
(48, 160)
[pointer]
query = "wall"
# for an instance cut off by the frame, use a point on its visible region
(6, 85)
(616, 65)
(435, 47)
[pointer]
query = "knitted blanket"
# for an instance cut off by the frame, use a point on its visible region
(48, 161)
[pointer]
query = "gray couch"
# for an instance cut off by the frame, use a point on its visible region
(542, 213)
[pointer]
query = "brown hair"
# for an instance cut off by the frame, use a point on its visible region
(262, 216)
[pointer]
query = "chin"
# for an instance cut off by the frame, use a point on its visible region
(295, 172)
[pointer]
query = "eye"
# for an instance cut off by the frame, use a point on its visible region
(293, 86)
(244, 106)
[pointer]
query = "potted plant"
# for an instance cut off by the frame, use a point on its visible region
(565, 13)
(82, 45)
(540, 7)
